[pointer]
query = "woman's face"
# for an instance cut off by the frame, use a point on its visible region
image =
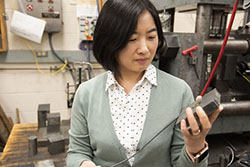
(141, 48)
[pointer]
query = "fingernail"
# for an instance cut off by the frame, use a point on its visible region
(199, 108)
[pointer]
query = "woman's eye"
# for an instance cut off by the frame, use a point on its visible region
(133, 39)
(152, 37)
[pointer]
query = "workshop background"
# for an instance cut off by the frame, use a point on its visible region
(42, 66)
(23, 87)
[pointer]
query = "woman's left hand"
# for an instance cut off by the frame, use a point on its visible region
(195, 136)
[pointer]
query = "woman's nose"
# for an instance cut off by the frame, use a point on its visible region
(142, 48)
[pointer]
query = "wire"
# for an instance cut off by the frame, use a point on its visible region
(233, 156)
(52, 49)
(222, 48)
(228, 142)
(245, 77)
(243, 163)
(59, 58)
(139, 150)
(37, 65)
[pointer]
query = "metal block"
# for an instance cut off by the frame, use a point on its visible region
(172, 46)
(53, 122)
(42, 138)
(43, 110)
(65, 130)
(56, 144)
(32, 145)
(66, 122)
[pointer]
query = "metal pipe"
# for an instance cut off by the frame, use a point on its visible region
(236, 108)
(17, 68)
(30, 68)
(233, 46)
(204, 13)
(80, 75)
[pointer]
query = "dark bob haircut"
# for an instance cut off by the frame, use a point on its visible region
(115, 25)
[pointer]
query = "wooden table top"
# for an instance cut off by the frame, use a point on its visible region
(16, 151)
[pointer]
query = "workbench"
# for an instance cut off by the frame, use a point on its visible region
(16, 152)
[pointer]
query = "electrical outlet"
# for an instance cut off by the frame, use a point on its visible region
(42, 53)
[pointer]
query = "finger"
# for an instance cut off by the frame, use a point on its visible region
(215, 114)
(184, 129)
(192, 120)
(205, 123)
(198, 98)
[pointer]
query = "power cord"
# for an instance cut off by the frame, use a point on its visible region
(37, 65)
(59, 58)
(236, 157)
(52, 49)
(232, 155)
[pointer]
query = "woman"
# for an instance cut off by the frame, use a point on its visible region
(118, 117)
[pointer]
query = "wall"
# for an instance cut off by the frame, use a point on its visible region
(25, 89)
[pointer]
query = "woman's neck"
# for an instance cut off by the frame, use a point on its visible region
(128, 81)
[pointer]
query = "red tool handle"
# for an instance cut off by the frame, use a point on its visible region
(190, 50)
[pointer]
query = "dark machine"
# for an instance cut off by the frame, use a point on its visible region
(191, 56)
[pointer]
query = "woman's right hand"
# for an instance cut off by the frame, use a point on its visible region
(88, 164)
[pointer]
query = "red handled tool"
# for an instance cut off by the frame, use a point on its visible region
(190, 51)
(192, 59)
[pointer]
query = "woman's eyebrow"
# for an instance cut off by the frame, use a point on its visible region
(152, 30)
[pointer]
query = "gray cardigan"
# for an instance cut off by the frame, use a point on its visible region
(92, 135)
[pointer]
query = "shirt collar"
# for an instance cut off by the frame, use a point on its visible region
(150, 75)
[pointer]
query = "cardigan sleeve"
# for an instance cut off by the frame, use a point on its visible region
(179, 155)
(79, 147)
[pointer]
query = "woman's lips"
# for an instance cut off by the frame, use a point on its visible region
(141, 61)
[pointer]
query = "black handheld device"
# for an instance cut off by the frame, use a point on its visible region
(210, 102)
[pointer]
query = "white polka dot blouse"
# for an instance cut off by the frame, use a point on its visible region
(129, 111)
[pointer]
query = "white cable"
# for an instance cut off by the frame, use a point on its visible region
(232, 152)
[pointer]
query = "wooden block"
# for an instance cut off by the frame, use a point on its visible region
(4, 134)
(1, 148)
(17, 116)
(5, 120)
(11, 121)
(15, 153)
